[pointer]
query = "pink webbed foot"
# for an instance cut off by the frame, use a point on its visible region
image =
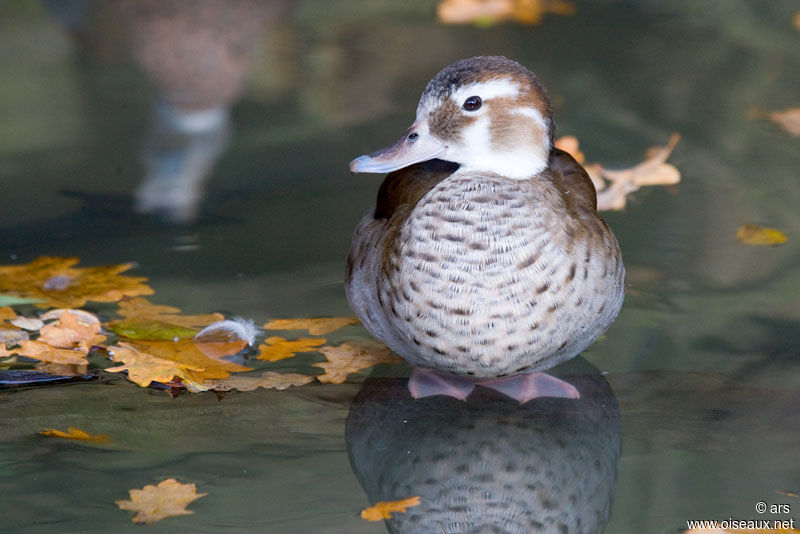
(426, 382)
(531, 386)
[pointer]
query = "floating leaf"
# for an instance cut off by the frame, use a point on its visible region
(316, 326)
(141, 309)
(268, 380)
(31, 324)
(56, 283)
(788, 119)
(45, 352)
(154, 503)
(72, 324)
(347, 358)
(149, 329)
(489, 12)
(752, 234)
(796, 20)
(144, 368)
(385, 509)
(277, 348)
(75, 433)
(10, 300)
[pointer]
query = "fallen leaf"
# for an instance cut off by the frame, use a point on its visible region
(71, 329)
(385, 509)
(796, 20)
(165, 361)
(58, 284)
(785, 492)
(11, 337)
(144, 368)
(31, 324)
(154, 503)
(488, 12)
(268, 380)
(75, 433)
(149, 329)
(348, 358)
(143, 310)
(788, 119)
(45, 352)
(7, 313)
(752, 234)
(9, 300)
(277, 348)
(316, 326)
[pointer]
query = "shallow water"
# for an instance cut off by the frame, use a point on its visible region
(703, 360)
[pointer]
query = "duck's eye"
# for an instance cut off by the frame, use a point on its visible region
(472, 103)
(413, 136)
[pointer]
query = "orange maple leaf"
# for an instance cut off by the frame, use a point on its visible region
(348, 358)
(144, 368)
(75, 433)
(142, 309)
(316, 326)
(385, 509)
(57, 283)
(277, 348)
(154, 503)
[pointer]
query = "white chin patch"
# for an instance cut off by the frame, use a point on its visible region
(501, 88)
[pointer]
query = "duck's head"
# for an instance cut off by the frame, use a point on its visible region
(488, 114)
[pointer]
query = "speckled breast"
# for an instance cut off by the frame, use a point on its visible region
(488, 277)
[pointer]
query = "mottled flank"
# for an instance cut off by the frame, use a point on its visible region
(477, 273)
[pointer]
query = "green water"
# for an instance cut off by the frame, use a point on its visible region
(704, 359)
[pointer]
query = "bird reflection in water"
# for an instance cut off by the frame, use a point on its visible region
(489, 464)
(197, 56)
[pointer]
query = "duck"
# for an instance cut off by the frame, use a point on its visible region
(484, 261)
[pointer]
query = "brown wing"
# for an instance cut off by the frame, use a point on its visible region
(408, 185)
(574, 179)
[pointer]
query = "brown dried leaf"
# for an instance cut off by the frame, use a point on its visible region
(75, 433)
(58, 283)
(154, 503)
(142, 309)
(44, 352)
(316, 326)
(752, 234)
(144, 368)
(268, 380)
(276, 348)
(788, 119)
(652, 171)
(385, 509)
(348, 358)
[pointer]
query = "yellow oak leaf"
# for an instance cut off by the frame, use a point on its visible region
(45, 352)
(752, 234)
(75, 433)
(277, 348)
(384, 509)
(144, 368)
(141, 309)
(57, 283)
(788, 119)
(6, 312)
(316, 326)
(154, 503)
(348, 358)
(268, 380)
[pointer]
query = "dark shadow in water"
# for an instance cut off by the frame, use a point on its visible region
(489, 464)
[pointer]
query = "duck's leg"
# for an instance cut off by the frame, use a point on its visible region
(426, 382)
(530, 386)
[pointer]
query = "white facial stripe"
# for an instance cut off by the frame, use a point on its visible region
(503, 87)
(534, 114)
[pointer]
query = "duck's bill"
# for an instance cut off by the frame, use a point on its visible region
(414, 146)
